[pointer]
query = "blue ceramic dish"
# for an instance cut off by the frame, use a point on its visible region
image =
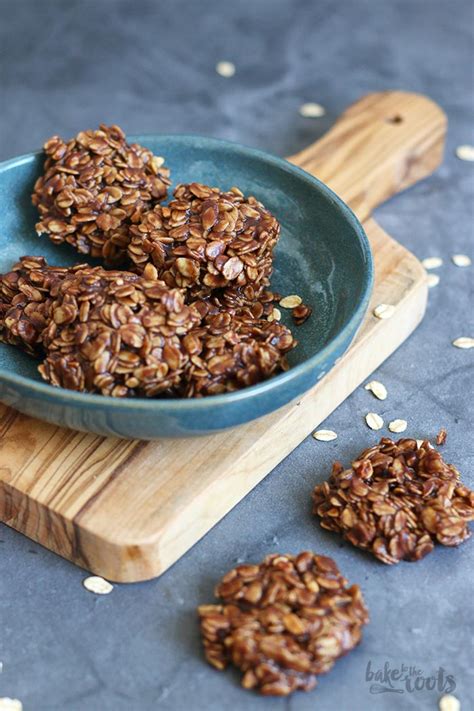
(323, 255)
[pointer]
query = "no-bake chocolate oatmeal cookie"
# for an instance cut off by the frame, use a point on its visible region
(283, 622)
(231, 351)
(94, 187)
(25, 293)
(116, 333)
(396, 500)
(206, 239)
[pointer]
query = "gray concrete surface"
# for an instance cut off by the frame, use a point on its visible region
(149, 66)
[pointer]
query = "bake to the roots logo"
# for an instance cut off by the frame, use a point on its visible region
(406, 678)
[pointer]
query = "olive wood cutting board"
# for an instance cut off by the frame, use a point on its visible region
(127, 510)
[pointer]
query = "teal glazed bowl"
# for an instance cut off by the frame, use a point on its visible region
(323, 256)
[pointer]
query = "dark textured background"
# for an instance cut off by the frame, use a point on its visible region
(149, 66)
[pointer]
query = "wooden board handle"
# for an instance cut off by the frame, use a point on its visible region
(380, 145)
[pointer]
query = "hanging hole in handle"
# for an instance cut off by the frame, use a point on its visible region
(394, 119)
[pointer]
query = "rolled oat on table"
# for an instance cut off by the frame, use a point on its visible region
(396, 500)
(283, 622)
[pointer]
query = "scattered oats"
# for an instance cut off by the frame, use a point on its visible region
(7, 704)
(461, 260)
(97, 585)
(465, 152)
(448, 702)
(397, 426)
(433, 280)
(312, 110)
(384, 310)
(324, 435)
(290, 302)
(374, 421)
(275, 315)
(432, 262)
(225, 69)
(377, 389)
(464, 342)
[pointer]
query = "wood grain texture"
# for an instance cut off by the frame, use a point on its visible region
(127, 510)
(380, 145)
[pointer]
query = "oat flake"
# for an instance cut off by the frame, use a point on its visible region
(97, 585)
(290, 302)
(432, 262)
(398, 426)
(324, 435)
(377, 389)
(225, 69)
(433, 280)
(461, 260)
(374, 421)
(465, 152)
(448, 702)
(158, 161)
(275, 315)
(419, 443)
(7, 704)
(464, 342)
(312, 110)
(384, 311)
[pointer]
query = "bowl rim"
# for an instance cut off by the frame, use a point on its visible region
(162, 405)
